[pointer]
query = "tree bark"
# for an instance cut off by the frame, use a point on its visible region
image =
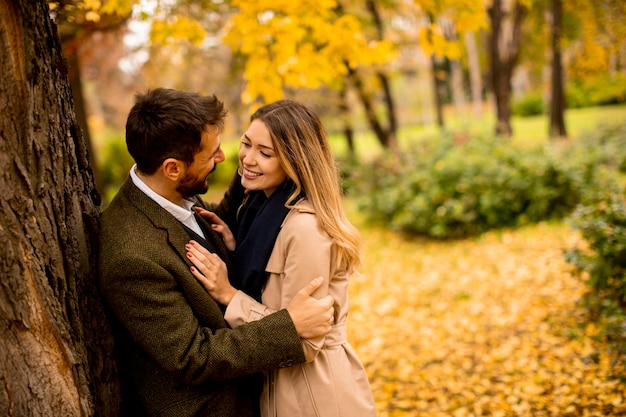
(557, 97)
(438, 89)
(348, 130)
(55, 344)
(504, 48)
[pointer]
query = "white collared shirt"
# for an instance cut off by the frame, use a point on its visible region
(183, 214)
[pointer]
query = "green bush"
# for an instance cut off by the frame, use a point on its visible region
(529, 105)
(600, 90)
(594, 156)
(447, 190)
(601, 220)
(114, 165)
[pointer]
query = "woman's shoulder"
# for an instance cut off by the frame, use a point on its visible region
(301, 213)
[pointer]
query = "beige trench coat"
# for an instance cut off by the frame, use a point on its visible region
(333, 382)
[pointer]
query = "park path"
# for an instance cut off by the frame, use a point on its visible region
(479, 327)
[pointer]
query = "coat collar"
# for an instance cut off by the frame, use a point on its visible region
(160, 218)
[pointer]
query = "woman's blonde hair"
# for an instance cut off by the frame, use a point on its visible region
(301, 145)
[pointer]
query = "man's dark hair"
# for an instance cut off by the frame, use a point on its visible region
(167, 123)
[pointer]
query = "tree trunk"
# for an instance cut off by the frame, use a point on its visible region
(476, 84)
(557, 99)
(55, 343)
(458, 92)
(504, 47)
(348, 130)
(438, 87)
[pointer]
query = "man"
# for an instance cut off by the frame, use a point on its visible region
(178, 357)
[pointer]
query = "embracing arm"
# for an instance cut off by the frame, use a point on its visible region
(194, 343)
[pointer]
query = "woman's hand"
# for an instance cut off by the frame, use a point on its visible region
(219, 226)
(211, 271)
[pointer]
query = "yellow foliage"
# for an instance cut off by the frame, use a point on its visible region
(303, 44)
(117, 7)
(177, 28)
(462, 15)
(433, 41)
(479, 327)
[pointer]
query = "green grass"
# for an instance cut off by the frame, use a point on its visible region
(525, 129)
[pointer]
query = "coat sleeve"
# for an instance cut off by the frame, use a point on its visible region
(244, 309)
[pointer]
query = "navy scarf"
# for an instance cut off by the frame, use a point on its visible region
(259, 225)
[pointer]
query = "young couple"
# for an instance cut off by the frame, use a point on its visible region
(185, 353)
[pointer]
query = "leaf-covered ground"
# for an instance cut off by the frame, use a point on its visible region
(479, 327)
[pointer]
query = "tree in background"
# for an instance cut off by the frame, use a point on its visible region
(55, 343)
(440, 40)
(557, 96)
(506, 17)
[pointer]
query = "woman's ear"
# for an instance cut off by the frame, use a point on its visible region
(173, 169)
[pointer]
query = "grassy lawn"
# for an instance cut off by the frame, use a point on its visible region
(533, 129)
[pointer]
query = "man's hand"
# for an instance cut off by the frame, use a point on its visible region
(312, 317)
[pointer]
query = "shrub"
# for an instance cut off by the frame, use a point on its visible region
(114, 165)
(600, 90)
(601, 220)
(594, 156)
(529, 105)
(447, 190)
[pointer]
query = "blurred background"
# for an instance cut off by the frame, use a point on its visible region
(382, 73)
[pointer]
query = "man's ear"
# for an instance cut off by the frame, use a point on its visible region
(173, 169)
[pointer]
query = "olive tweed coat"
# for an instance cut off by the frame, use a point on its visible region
(178, 356)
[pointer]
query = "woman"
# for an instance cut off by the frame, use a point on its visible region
(291, 229)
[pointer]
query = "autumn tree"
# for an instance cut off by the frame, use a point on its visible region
(308, 44)
(55, 344)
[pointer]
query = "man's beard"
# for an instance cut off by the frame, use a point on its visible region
(189, 189)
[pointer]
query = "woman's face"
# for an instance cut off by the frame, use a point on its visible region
(259, 164)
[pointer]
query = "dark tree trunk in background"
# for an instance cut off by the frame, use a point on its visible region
(55, 343)
(387, 136)
(476, 82)
(557, 97)
(346, 121)
(504, 48)
(438, 77)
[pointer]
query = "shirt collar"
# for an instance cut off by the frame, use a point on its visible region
(183, 214)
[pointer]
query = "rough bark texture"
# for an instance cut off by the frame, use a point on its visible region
(54, 339)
